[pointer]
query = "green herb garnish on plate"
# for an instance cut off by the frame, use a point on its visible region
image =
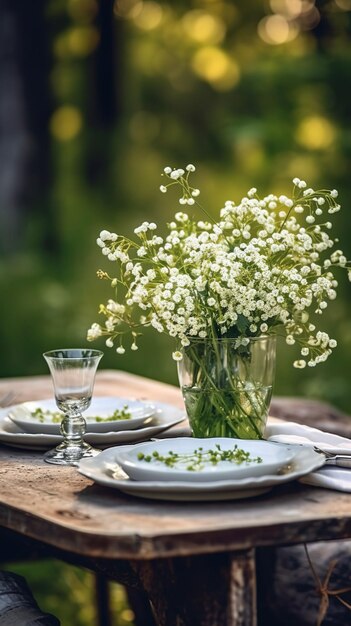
(43, 416)
(55, 417)
(197, 459)
(118, 414)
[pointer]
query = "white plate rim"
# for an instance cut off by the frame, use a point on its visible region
(97, 469)
(168, 415)
(126, 459)
(34, 427)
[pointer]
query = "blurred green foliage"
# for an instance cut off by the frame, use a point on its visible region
(253, 93)
(68, 592)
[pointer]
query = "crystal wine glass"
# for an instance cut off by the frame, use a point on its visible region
(73, 374)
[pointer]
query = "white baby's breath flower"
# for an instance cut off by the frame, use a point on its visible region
(300, 364)
(244, 273)
(181, 217)
(177, 355)
(175, 175)
(104, 235)
(94, 332)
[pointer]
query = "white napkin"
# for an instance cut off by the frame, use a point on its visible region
(291, 432)
(337, 478)
(329, 477)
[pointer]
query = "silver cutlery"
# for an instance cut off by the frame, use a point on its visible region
(338, 460)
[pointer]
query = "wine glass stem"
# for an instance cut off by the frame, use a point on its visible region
(73, 429)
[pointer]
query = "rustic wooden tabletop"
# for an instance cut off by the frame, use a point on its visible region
(161, 544)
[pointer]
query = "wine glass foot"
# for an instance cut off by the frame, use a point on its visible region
(70, 455)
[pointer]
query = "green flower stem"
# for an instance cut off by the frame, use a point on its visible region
(224, 405)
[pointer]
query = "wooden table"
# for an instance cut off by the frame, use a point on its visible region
(196, 562)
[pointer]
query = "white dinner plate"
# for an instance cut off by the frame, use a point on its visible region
(183, 462)
(141, 414)
(166, 416)
(104, 471)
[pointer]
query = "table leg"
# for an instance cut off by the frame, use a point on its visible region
(103, 604)
(206, 590)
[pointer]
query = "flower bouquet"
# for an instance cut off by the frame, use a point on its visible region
(224, 289)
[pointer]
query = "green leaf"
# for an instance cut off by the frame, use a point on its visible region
(242, 324)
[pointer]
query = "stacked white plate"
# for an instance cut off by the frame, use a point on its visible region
(35, 425)
(137, 470)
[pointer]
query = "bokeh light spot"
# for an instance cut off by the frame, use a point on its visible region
(276, 30)
(345, 5)
(316, 133)
(79, 41)
(127, 615)
(127, 9)
(149, 17)
(216, 67)
(289, 8)
(65, 123)
(292, 8)
(82, 40)
(310, 19)
(203, 27)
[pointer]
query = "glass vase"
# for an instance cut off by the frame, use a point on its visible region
(227, 388)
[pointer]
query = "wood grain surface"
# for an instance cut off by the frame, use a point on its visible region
(57, 505)
(193, 563)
